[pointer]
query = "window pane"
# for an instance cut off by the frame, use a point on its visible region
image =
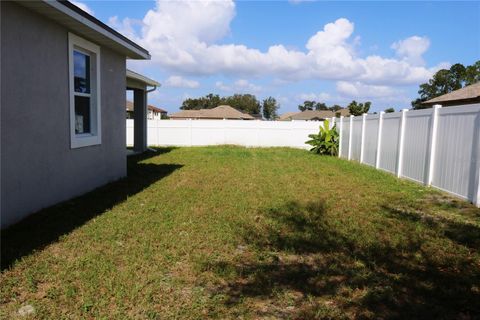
(81, 72)
(82, 115)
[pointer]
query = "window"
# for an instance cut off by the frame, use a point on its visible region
(84, 66)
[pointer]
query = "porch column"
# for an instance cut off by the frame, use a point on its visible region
(139, 120)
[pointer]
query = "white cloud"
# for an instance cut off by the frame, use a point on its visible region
(412, 49)
(358, 90)
(239, 86)
(183, 38)
(180, 82)
(83, 6)
(320, 97)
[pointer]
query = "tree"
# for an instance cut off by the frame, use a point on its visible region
(335, 108)
(208, 102)
(246, 103)
(472, 73)
(389, 110)
(269, 108)
(320, 106)
(357, 109)
(445, 81)
(307, 105)
(312, 105)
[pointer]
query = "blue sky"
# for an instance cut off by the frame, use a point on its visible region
(332, 52)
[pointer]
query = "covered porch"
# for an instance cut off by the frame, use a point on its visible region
(141, 86)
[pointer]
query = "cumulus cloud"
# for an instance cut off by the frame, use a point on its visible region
(83, 6)
(239, 86)
(412, 49)
(183, 38)
(181, 82)
(361, 90)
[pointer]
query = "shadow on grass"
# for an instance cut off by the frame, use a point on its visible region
(333, 274)
(462, 233)
(46, 226)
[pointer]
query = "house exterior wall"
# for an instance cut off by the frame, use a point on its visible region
(38, 167)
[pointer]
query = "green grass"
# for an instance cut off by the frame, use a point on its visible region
(229, 233)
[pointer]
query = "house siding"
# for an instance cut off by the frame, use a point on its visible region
(38, 167)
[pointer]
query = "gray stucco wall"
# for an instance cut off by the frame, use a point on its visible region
(38, 167)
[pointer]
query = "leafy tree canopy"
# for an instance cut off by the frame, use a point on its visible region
(246, 103)
(313, 105)
(389, 110)
(270, 108)
(357, 109)
(447, 80)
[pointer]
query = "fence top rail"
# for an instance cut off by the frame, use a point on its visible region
(372, 117)
(468, 108)
(392, 115)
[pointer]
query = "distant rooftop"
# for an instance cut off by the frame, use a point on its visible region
(465, 95)
(220, 112)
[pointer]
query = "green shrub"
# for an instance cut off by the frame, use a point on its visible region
(326, 141)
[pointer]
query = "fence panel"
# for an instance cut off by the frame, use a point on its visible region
(417, 138)
(356, 138)
(370, 140)
(390, 142)
(215, 132)
(457, 158)
(345, 137)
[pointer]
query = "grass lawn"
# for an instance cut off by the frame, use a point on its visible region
(236, 233)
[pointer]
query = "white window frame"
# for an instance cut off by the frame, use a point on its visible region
(95, 135)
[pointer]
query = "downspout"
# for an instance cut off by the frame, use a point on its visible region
(151, 90)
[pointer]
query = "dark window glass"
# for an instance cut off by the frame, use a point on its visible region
(81, 72)
(82, 114)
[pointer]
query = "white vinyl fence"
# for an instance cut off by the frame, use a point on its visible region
(438, 147)
(218, 132)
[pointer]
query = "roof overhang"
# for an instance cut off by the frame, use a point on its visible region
(87, 26)
(137, 81)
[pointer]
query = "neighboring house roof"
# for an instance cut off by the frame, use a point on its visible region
(313, 115)
(287, 116)
(344, 112)
(160, 110)
(220, 112)
(129, 107)
(465, 95)
(84, 24)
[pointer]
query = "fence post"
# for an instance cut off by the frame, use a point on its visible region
(350, 139)
(433, 145)
(400, 142)
(379, 139)
(362, 141)
(340, 136)
(190, 127)
(476, 192)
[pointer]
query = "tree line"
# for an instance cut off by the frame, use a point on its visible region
(267, 108)
(442, 82)
(447, 80)
(246, 103)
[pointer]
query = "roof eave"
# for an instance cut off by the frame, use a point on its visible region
(132, 75)
(87, 26)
